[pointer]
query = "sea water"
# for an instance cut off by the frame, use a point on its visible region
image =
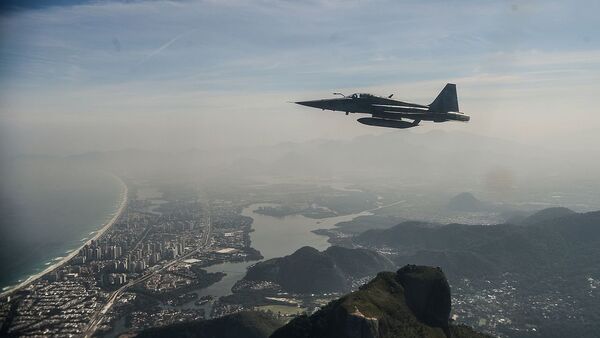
(49, 207)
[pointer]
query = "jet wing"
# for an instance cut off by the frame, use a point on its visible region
(390, 102)
(394, 115)
(396, 109)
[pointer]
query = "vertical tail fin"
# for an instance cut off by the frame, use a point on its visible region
(446, 101)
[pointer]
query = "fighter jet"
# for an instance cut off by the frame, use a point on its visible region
(387, 112)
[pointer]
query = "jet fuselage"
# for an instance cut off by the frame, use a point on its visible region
(443, 108)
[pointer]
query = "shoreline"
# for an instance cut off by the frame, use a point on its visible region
(74, 252)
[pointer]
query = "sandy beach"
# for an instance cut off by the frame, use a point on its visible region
(73, 253)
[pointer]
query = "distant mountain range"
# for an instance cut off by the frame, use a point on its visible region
(430, 157)
(555, 238)
(413, 302)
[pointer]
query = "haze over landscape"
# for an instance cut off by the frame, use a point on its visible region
(153, 165)
(165, 75)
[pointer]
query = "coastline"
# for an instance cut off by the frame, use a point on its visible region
(74, 252)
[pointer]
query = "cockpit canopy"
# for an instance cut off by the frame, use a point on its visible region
(360, 95)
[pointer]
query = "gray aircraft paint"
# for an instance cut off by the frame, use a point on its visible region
(387, 112)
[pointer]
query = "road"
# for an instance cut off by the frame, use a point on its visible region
(99, 316)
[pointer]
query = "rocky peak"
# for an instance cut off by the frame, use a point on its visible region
(413, 302)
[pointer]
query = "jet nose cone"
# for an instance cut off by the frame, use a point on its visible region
(313, 103)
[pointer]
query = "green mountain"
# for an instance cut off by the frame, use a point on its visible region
(554, 239)
(413, 302)
(309, 271)
(247, 324)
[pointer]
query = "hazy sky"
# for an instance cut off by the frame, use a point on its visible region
(174, 75)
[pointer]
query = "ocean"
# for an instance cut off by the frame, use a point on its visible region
(49, 207)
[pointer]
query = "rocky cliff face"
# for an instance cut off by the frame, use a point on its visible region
(427, 294)
(413, 302)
